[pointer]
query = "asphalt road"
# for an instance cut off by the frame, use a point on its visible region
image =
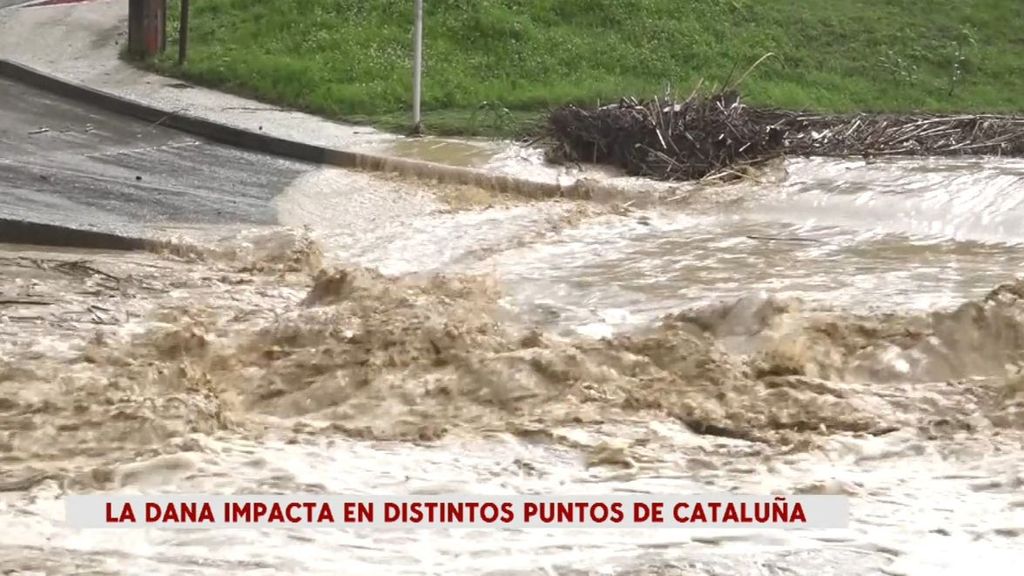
(35, 3)
(65, 163)
(9, 3)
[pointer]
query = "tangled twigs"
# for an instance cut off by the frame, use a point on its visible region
(709, 134)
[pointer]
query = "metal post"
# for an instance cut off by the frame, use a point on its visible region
(417, 67)
(183, 34)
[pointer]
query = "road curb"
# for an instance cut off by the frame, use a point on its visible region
(13, 231)
(259, 142)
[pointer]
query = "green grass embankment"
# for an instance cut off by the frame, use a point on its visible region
(493, 65)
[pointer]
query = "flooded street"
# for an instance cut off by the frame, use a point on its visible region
(846, 328)
(899, 236)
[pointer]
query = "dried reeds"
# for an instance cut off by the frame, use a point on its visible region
(712, 134)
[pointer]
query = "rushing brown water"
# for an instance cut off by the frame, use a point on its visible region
(850, 329)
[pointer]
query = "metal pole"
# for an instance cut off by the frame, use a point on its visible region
(183, 34)
(417, 67)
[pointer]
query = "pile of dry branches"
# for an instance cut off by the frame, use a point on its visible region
(911, 135)
(716, 134)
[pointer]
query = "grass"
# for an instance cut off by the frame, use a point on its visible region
(493, 66)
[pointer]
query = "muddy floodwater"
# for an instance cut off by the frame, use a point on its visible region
(831, 328)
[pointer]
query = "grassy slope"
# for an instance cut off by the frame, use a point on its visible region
(350, 58)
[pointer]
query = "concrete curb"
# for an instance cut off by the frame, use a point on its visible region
(38, 234)
(259, 142)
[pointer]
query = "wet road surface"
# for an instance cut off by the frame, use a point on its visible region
(65, 163)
